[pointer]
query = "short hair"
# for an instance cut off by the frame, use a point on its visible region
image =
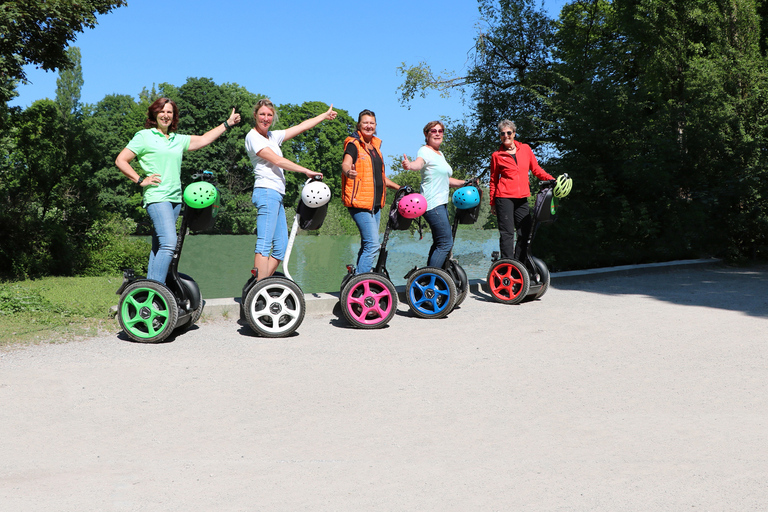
(365, 112)
(265, 102)
(431, 125)
(156, 107)
(507, 122)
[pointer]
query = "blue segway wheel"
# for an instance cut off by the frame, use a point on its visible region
(430, 293)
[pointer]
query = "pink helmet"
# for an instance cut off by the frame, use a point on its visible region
(412, 206)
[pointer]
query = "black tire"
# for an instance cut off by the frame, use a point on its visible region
(544, 277)
(274, 307)
(368, 301)
(508, 281)
(460, 280)
(147, 311)
(430, 292)
(198, 311)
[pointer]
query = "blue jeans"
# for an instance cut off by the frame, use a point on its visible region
(164, 238)
(442, 239)
(368, 224)
(271, 225)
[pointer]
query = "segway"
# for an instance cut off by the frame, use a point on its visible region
(433, 292)
(148, 310)
(467, 202)
(511, 281)
(274, 306)
(369, 300)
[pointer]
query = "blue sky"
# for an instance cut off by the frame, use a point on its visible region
(345, 53)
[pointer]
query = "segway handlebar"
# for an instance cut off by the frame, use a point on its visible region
(205, 176)
(474, 182)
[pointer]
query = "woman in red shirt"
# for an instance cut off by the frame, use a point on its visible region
(509, 191)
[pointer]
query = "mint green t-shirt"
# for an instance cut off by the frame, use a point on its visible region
(434, 177)
(157, 154)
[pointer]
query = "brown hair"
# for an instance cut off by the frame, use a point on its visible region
(431, 125)
(365, 112)
(155, 108)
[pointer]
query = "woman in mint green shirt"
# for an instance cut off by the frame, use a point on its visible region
(436, 182)
(159, 150)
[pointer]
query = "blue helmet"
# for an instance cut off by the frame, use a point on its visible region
(466, 197)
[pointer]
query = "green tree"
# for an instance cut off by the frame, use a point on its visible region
(39, 32)
(42, 215)
(70, 83)
(320, 149)
(655, 107)
(202, 105)
(110, 125)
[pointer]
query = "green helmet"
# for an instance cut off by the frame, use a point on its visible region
(563, 186)
(200, 194)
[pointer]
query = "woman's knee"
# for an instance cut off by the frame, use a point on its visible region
(168, 243)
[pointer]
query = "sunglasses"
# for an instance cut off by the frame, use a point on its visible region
(435, 130)
(509, 134)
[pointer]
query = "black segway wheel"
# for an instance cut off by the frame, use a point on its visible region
(430, 292)
(368, 301)
(508, 281)
(274, 307)
(460, 280)
(193, 292)
(541, 277)
(147, 311)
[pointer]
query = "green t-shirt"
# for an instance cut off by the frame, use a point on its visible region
(160, 155)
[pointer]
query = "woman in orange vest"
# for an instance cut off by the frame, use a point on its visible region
(364, 184)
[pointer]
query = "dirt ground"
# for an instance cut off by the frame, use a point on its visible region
(645, 392)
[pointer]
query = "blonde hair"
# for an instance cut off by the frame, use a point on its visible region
(265, 102)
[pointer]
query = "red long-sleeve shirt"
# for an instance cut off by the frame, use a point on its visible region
(510, 178)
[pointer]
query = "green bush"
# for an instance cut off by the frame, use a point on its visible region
(111, 248)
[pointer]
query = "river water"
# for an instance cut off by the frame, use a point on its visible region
(221, 264)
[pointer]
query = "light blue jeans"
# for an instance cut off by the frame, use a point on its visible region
(271, 224)
(164, 238)
(368, 224)
(442, 238)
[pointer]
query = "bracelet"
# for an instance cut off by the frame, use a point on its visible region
(226, 126)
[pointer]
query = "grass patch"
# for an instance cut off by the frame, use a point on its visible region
(56, 308)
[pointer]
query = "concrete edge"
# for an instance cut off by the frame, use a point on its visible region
(324, 303)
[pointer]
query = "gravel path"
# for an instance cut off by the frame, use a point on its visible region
(645, 392)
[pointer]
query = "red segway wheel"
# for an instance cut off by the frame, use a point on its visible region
(508, 281)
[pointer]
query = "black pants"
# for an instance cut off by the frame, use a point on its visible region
(514, 215)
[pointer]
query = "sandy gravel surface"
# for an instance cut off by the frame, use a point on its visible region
(641, 393)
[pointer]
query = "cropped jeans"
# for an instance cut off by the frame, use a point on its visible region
(442, 239)
(368, 224)
(271, 224)
(164, 238)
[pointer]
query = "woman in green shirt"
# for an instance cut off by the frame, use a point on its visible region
(159, 151)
